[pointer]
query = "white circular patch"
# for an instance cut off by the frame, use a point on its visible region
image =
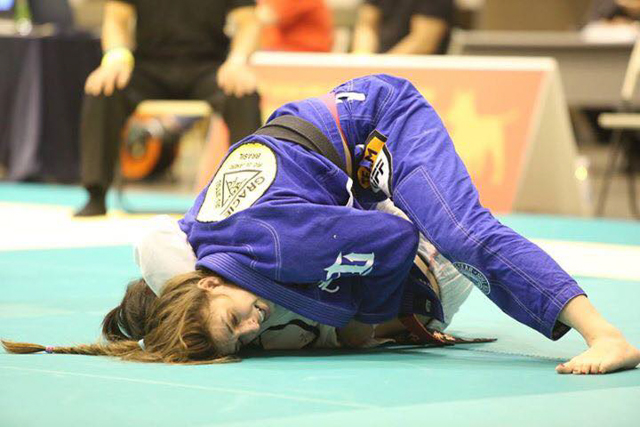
(244, 176)
(476, 276)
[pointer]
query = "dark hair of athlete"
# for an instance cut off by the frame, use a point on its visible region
(128, 320)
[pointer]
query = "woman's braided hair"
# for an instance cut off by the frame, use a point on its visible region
(172, 325)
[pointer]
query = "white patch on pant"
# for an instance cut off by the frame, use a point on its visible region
(476, 276)
(350, 96)
(242, 179)
(381, 172)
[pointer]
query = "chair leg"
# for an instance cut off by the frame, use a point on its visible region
(617, 142)
(631, 181)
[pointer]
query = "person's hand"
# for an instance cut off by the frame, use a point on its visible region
(114, 72)
(236, 78)
(356, 335)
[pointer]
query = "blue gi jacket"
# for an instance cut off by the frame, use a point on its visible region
(282, 221)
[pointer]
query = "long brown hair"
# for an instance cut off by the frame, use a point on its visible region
(128, 320)
(174, 332)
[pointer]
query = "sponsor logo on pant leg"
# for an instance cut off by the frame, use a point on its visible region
(476, 276)
(376, 167)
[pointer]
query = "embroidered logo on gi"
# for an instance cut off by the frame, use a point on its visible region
(350, 96)
(376, 167)
(476, 276)
(245, 175)
(353, 263)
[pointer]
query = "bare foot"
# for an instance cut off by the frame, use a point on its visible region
(606, 354)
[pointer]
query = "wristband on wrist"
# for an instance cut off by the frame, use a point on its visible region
(118, 54)
(238, 58)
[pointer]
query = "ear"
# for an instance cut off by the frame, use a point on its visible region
(209, 283)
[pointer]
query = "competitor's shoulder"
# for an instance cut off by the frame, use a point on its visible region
(244, 176)
(253, 141)
(378, 79)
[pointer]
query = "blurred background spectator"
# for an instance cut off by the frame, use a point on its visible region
(188, 56)
(295, 25)
(403, 26)
(615, 11)
(612, 20)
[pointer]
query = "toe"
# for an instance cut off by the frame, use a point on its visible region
(563, 369)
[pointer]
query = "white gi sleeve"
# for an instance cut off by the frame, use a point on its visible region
(163, 252)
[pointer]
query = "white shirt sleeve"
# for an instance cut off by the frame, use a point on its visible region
(163, 252)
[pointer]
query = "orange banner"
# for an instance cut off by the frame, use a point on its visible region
(488, 112)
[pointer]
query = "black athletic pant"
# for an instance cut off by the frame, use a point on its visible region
(103, 117)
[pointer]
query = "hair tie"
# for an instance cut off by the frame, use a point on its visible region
(49, 349)
(141, 344)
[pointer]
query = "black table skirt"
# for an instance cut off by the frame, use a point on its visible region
(41, 89)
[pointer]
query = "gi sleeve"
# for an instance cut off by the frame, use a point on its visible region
(162, 252)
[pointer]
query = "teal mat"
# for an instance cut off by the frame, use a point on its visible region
(75, 197)
(60, 296)
(532, 226)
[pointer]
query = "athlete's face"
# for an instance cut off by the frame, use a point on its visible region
(233, 314)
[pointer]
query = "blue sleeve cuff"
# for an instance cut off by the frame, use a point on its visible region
(554, 328)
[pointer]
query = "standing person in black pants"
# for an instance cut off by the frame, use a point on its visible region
(181, 52)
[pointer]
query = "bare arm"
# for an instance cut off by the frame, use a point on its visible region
(424, 37)
(117, 40)
(365, 37)
(608, 349)
(247, 35)
(117, 24)
(234, 75)
(266, 14)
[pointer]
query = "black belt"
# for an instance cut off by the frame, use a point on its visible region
(294, 129)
